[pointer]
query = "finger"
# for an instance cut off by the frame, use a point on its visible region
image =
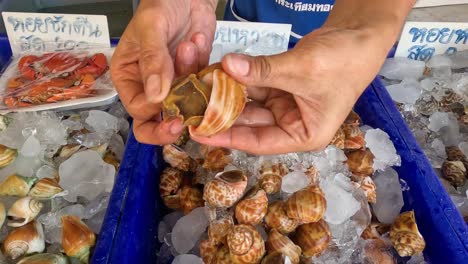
(255, 115)
(262, 71)
(204, 45)
(157, 133)
(156, 65)
(259, 94)
(186, 59)
(255, 140)
(125, 76)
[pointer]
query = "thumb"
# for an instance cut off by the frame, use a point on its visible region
(156, 66)
(260, 71)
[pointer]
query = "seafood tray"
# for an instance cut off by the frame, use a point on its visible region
(53, 80)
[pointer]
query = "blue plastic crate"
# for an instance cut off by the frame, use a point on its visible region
(440, 223)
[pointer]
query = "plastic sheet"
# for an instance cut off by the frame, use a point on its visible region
(34, 82)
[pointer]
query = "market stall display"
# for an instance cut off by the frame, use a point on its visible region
(58, 170)
(433, 99)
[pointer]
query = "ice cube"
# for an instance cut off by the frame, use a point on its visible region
(101, 121)
(406, 92)
(46, 171)
(438, 120)
(439, 148)
(116, 145)
(439, 61)
(50, 130)
(428, 84)
(400, 68)
(53, 235)
(163, 230)
(187, 259)
(52, 219)
(27, 166)
(341, 204)
(460, 59)
(389, 196)
(416, 259)
(31, 147)
(459, 83)
(97, 205)
(86, 174)
(172, 218)
(335, 155)
(95, 222)
(464, 147)
(294, 181)
(188, 230)
(382, 147)
(72, 124)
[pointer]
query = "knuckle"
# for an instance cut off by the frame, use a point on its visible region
(262, 68)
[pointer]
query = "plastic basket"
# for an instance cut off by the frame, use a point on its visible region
(440, 223)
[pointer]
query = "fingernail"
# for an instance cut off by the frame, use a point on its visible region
(176, 127)
(238, 64)
(153, 86)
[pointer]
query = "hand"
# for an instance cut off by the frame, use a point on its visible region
(163, 39)
(301, 97)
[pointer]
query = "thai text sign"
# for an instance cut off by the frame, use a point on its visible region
(422, 40)
(39, 32)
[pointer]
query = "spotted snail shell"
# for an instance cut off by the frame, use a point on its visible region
(376, 251)
(169, 187)
(218, 230)
(227, 101)
(191, 197)
(313, 238)
(77, 238)
(338, 139)
(454, 172)
(216, 159)
(225, 189)
(15, 185)
(245, 244)
(307, 205)
(24, 240)
(44, 258)
(313, 175)
(375, 231)
(45, 188)
(278, 242)
(455, 154)
(352, 119)
(405, 235)
(271, 176)
(252, 208)
(369, 188)
(354, 137)
(176, 157)
(222, 256)
(23, 211)
(275, 258)
(360, 162)
(277, 218)
(208, 250)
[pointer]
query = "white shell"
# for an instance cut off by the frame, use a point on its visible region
(25, 240)
(25, 208)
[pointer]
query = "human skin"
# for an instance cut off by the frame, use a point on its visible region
(300, 97)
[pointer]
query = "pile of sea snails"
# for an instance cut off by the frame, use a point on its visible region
(233, 208)
(50, 210)
(433, 99)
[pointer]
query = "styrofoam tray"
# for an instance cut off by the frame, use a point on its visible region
(104, 96)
